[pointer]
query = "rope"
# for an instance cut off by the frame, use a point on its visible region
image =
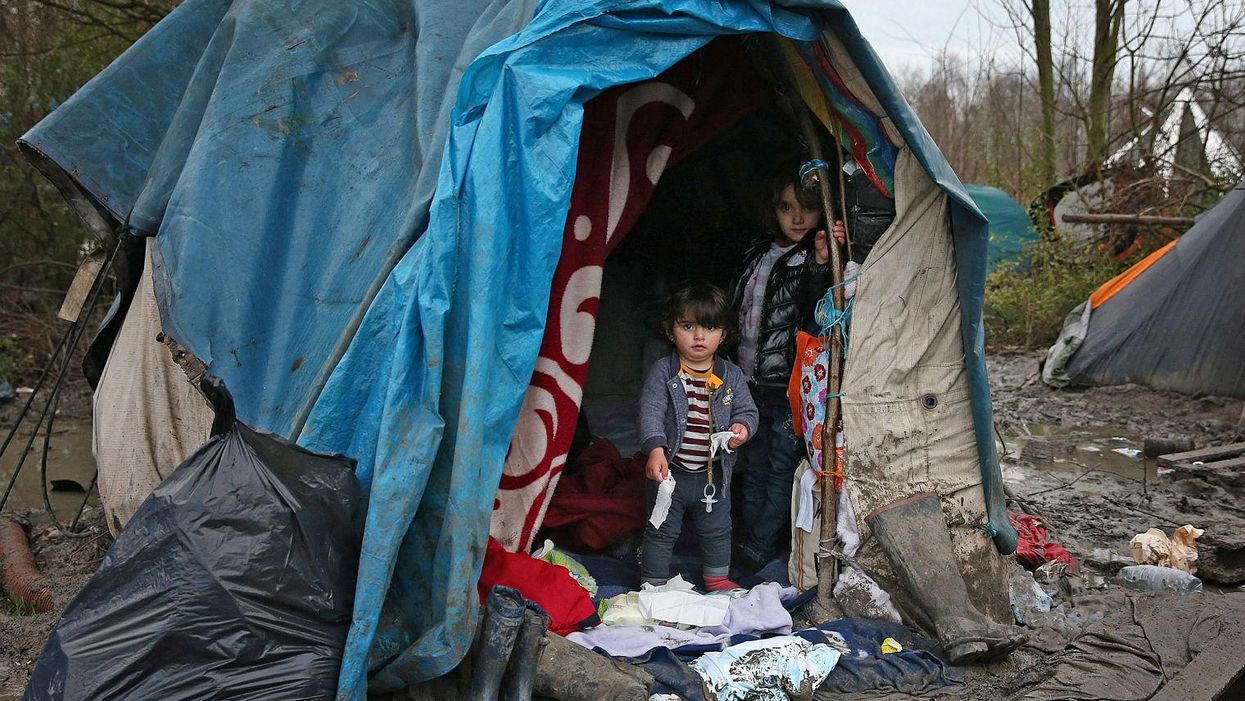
(828, 318)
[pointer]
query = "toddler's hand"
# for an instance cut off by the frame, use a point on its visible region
(741, 436)
(840, 233)
(656, 468)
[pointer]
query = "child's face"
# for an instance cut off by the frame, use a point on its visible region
(696, 344)
(794, 221)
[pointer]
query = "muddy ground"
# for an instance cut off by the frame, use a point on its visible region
(1068, 456)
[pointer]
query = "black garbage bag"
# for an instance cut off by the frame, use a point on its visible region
(233, 580)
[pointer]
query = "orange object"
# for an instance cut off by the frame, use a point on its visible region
(1119, 282)
(22, 580)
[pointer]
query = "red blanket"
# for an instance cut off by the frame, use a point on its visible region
(600, 504)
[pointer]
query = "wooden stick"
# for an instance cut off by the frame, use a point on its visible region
(827, 565)
(1126, 219)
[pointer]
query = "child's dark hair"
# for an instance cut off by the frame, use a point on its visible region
(701, 302)
(788, 174)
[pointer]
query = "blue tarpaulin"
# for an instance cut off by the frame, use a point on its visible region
(358, 210)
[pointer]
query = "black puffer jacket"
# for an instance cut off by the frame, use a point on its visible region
(791, 295)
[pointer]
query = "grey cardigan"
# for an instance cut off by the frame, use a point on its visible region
(663, 406)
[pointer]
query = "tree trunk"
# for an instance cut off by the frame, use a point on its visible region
(1108, 18)
(1040, 10)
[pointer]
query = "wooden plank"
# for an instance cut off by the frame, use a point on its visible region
(1204, 455)
(1213, 466)
(83, 280)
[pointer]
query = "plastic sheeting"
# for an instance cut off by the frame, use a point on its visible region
(233, 580)
(1179, 324)
(290, 153)
(1011, 229)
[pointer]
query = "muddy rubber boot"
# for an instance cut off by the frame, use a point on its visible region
(521, 672)
(915, 538)
(503, 616)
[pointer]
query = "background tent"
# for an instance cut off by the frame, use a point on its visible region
(360, 221)
(1175, 320)
(1011, 229)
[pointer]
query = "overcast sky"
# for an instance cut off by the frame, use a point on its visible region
(909, 32)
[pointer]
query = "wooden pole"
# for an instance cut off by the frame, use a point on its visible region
(1127, 219)
(827, 564)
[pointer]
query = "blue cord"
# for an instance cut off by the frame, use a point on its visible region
(827, 317)
(808, 169)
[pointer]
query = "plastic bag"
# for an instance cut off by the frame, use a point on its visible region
(234, 579)
(1179, 552)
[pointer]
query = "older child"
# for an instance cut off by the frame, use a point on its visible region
(783, 277)
(685, 399)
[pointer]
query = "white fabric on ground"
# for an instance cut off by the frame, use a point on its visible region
(759, 612)
(775, 669)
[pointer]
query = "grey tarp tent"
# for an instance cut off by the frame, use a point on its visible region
(1175, 320)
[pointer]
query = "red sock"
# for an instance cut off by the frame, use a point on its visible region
(720, 584)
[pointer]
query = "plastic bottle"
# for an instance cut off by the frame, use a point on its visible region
(1155, 578)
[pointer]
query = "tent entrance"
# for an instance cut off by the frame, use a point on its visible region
(672, 180)
(704, 212)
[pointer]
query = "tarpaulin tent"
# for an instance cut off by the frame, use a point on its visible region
(383, 226)
(1011, 230)
(1175, 320)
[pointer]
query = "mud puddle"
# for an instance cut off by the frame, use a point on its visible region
(71, 466)
(1062, 449)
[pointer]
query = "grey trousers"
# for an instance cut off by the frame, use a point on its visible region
(713, 527)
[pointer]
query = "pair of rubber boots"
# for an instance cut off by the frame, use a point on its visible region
(915, 538)
(507, 648)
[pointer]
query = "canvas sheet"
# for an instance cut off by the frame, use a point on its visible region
(147, 417)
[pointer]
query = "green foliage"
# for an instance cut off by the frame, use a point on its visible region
(1026, 303)
(13, 359)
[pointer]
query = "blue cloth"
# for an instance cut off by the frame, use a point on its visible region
(337, 241)
(918, 669)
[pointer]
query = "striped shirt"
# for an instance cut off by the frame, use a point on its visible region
(693, 455)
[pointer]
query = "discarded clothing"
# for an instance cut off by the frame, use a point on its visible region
(1139, 647)
(1154, 548)
(553, 556)
(1034, 548)
(774, 669)
(552, 587)
(600, 504)
(677, 602)
(759, 612)
(917, 670)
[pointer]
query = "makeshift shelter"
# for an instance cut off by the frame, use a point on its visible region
(384, 226)
(1011, 230)
(1175, 320)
